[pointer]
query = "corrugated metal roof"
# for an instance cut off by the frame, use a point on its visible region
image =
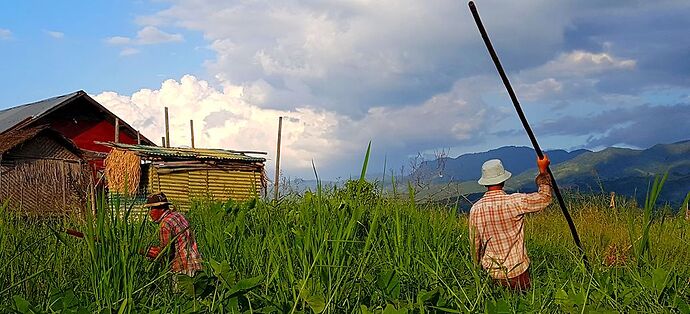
(10, 118)
(13, 116)
(185, 153)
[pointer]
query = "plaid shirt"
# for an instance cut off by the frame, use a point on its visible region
(184, 254)
(497, 228)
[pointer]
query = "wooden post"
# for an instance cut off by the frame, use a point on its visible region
(138, 138)
(191, 128)
(163, 141)
(612, 204)
(276, 183)
(167, 129)
(117, 130)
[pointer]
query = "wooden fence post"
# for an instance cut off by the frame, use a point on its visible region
(191, 129)
(167, 129)
(117, 130)
(277, 178)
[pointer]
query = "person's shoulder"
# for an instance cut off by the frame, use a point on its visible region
(477, 206)
(516, 195)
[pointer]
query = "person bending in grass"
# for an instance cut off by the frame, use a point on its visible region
(176, 238)
(497, 224)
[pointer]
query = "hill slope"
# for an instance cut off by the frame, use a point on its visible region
(621, 170)
(516, 159)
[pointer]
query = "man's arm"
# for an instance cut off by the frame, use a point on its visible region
(164, 236)
(534, 202)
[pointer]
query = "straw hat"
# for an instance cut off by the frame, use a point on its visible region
(156, 200)
(493, 173)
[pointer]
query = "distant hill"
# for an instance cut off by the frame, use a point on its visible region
(621, 170)
(516, 159)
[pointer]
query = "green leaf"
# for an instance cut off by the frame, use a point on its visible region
(249, 284)
(389, 283)
(362, 177)
(21, 305)
(681, 305)
(561, 297)
(316, 302)
(123, 307)
(659, 277)
(427, 296)
(390, 309)
(223, 272)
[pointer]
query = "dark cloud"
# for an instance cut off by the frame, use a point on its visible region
(656, 37)
(640, 126)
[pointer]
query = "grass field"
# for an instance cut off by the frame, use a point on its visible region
(343, 250)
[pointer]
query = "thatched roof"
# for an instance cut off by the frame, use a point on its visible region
(14, 138)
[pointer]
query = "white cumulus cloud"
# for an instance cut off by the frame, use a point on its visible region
(148, 35)
(224, 118)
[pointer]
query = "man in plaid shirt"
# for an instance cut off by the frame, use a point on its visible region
(175, 236)
(497, 224)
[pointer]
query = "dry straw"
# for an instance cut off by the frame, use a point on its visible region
(123, 171)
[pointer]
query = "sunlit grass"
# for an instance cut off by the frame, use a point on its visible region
(342, 250)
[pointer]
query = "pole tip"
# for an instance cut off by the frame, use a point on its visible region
(471, 4)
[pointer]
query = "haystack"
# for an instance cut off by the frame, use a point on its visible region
(123, 172)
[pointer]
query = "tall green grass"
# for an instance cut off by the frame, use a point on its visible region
(340, 250)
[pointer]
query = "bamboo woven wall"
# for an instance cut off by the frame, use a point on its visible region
(182, 186)
(43, 177)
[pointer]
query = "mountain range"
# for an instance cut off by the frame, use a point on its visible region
(622, 170)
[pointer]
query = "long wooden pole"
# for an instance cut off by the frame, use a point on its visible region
(191, 129)
(525, 124)
(167, 129)
(277, 178)
(117, 130)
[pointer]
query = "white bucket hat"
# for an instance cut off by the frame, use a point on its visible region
(493, 173)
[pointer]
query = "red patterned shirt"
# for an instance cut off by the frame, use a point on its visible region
(184, 254)
(497, 228)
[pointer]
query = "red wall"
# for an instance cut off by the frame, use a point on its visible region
(84, 123)
(84, 133)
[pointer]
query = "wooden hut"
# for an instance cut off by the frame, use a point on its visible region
(42, 172)
(77, 117)
(184, 174)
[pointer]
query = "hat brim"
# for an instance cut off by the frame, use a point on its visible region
(495, 180)
(157, 204)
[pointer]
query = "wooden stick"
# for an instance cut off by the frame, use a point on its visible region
(117, 130)
(167, 129)
(528, 129)
(191, 128)
(277, 179)
(163, 141)
(138, 138)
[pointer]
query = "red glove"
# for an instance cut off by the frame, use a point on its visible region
(543, 163)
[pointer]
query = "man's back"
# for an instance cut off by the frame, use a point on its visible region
(185, 257)
(496, 226)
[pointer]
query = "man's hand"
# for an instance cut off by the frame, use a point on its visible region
(543, 163)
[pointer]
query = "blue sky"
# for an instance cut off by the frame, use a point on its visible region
(411, 76)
